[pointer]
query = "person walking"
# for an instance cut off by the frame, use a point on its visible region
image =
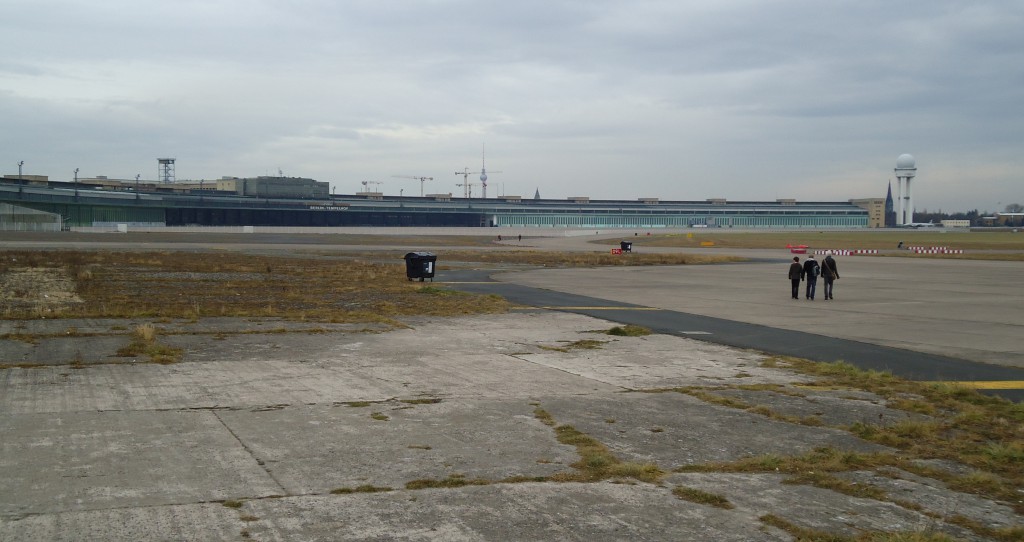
(811, 271)
(795, 273)
(829, 272)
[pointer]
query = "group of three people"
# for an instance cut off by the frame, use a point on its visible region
(809, 271)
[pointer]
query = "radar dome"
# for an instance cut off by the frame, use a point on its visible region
(905, 161)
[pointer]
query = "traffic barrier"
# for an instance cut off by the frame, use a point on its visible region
(846, 252)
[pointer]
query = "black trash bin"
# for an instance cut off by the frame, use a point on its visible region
(420, 265)
(626, 246)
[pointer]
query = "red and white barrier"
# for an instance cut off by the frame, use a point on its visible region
(846, 252)
(938, 251)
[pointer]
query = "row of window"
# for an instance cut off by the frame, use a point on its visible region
(592, 221)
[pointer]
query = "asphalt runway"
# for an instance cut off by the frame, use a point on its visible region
(923, 319)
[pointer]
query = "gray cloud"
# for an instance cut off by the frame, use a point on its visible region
(738, 99)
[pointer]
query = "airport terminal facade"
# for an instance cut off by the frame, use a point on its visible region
(281, 201)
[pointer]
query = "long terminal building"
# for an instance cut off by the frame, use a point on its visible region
(301, 202)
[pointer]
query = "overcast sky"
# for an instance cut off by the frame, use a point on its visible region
(746, 100)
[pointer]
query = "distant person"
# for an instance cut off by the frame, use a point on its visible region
(900, 246)
(811, 272)
(829, 272)
(520, 238)
(795, 273)
(499, 238)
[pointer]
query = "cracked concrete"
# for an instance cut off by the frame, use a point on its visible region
(276, 421)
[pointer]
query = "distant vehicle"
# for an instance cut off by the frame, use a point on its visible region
(920, 225)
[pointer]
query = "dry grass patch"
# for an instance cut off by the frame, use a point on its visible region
(183, 285)
(144, 343)
(702, 497)
(805, 534)
(824, 459)
(982, 432)
(629, 330)
(453, 481)
(598, 463)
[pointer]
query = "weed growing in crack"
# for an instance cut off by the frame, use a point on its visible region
(144, 343)
(629, 331)
(451, 482)
(702, 497)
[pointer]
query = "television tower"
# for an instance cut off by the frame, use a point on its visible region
(483, 170)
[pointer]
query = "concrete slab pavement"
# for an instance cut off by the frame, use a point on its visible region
(153, 452)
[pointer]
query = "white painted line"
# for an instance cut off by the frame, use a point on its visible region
(695, 332)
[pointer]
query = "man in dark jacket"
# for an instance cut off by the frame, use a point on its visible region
(829, 272)
(811, 272)
(795, 272)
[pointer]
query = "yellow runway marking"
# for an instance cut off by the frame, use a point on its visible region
(993, 385)
(602, 308)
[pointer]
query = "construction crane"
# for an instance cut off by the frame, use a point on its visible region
(366, 184)
(420, 179)
(466, 191)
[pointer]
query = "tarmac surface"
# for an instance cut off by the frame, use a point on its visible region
(312, 435)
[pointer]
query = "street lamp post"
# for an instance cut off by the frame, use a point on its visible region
(76, 183)
(20, 181)
(137, 185)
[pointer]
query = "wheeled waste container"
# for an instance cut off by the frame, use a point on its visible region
(626, 246)
(420, 265)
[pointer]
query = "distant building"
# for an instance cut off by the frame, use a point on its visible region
(1005, 219)
(17, 218)
(875, 208)
(956, 223)
(281, 201)
(275, 187)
